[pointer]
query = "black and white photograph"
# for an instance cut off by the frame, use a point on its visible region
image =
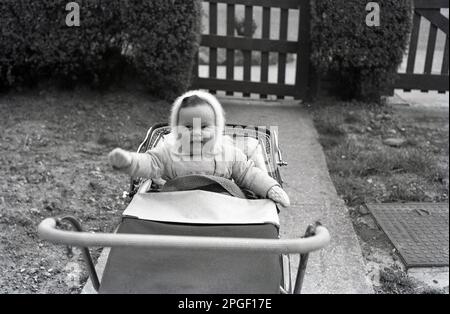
(224, 153)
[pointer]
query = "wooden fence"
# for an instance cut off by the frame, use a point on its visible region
(426, 66)
(246, 42)
(421, 54)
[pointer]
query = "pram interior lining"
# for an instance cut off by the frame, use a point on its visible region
(137, 270)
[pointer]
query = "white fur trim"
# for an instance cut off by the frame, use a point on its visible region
(209, 98)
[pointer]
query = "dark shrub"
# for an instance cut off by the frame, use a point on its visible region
(36, 44)
(155, 39)
(361, 60)
(164, 38)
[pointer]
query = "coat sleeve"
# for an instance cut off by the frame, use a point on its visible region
(247, 175)
(149, 164)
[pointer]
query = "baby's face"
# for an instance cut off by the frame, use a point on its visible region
(199, 122)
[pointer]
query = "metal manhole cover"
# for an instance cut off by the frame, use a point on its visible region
(419, 231)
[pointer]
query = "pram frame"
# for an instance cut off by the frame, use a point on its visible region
(315, 238)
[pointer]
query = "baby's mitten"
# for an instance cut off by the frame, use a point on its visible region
(119, 158)
(278, 195)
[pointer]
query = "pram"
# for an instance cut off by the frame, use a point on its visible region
(197, 240)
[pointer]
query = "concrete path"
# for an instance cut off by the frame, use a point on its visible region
(415, 98)
(340, 267)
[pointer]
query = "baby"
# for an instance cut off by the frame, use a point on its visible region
(196, 145)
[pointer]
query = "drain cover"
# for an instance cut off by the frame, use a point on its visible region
(419, 231)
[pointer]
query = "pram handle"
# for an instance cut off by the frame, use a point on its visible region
(47, 230)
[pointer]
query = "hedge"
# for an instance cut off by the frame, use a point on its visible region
(361, 60)
(155, 39)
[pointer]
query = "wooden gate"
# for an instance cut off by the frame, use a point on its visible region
(426, 49)
(230, 49)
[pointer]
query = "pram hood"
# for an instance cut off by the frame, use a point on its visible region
(201, 207)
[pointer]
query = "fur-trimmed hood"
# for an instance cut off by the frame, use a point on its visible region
(210, 99)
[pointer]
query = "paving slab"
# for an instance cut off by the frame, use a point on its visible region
(435, 277)
(339, 268)
(416, 98)
(99, 267)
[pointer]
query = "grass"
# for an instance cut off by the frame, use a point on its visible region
(351, 159)
(53, 156)
(366, 170)
(331, 125)
(396, 281)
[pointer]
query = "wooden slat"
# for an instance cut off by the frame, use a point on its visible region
(230, 52)
(444, 67)
(286, 4)
(245, 87)
(281, 55)
(195, 70)
(248, 53)
(265, 54)
(430, 4)
(436, 18)
(413, 44)
(249, 44)
(430, 49)
(213, 50)
(422, 82)
(302, 72)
